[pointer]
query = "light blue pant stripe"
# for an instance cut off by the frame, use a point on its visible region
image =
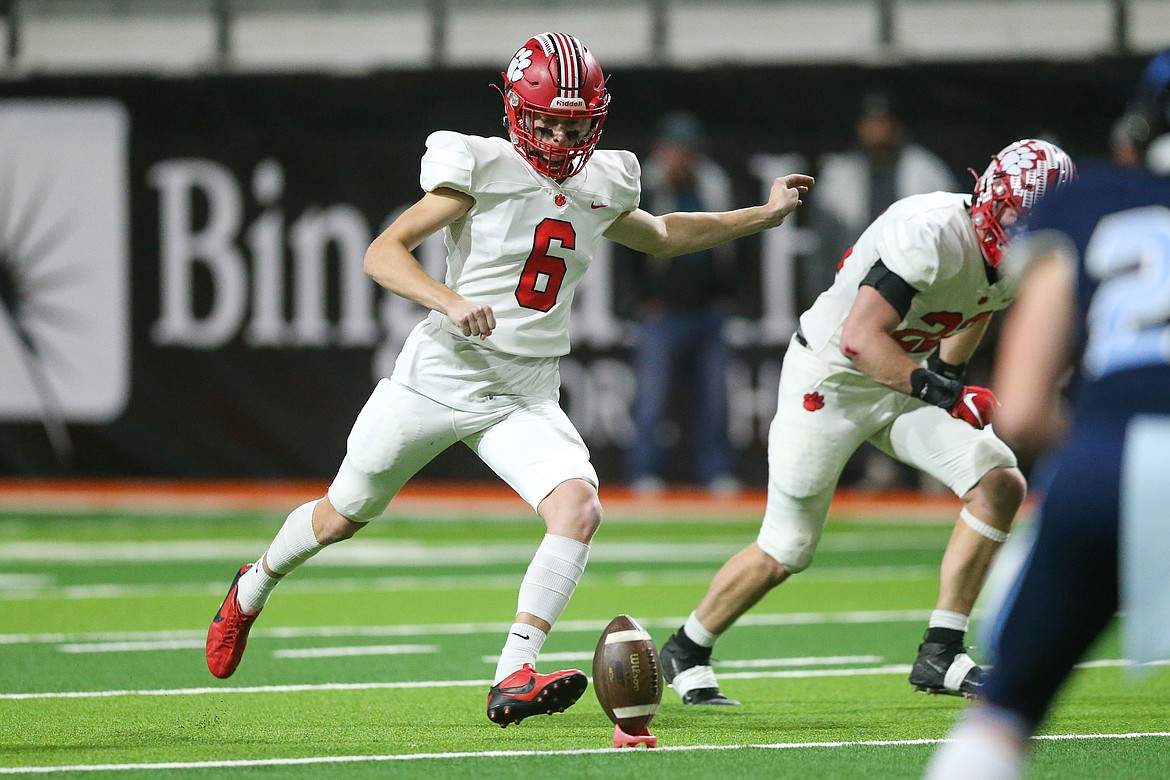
(1145, 539)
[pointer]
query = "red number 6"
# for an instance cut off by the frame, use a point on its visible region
(540, 281)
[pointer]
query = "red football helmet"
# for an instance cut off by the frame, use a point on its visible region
(1017, 178)
(554, 75)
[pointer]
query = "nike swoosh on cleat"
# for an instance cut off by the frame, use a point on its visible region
(520, 689)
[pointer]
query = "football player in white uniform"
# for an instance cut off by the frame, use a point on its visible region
(521, 218)
(879, 357)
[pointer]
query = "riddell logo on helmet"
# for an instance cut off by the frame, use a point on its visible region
(571, 103)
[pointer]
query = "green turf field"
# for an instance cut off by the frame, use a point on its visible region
(374, 659)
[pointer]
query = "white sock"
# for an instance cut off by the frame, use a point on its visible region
(978, 750)
(545, 592)
(294, 544)
(941, 618)
(552, 577)
(698, 632)
(254, 587)
(523, 645)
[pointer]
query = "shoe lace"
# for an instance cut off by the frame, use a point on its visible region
(230, 632)
(235, 620)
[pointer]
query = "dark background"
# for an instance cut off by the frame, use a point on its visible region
(243, 412)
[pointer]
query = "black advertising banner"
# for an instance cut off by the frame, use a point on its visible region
(181, 287)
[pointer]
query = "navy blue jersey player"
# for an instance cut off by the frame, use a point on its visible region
(1096, 295)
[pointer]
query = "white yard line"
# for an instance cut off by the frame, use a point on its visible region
(411, 553)
(1108, 662)
(890, 669)
(447, 629)
(375, 686)
(585, 655)
(826, 660)
(354, 650)
(438, 582)
(197, 644)
(367, 552)
(755, 663)
(47, 588)
(311, 760)
(132, 647)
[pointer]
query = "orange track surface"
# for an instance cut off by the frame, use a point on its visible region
(427, 498)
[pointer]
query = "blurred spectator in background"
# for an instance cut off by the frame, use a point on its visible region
(1138, 138)
(1124, 148)
(853, 188)
(681, 305)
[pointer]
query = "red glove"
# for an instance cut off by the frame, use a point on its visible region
(975, 406)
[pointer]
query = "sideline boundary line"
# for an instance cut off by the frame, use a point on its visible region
(241, 763)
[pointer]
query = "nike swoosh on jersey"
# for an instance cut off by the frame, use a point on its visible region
(598, 205)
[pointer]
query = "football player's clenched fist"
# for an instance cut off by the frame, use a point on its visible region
(473, 319)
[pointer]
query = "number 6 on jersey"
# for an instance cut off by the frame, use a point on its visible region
(540, 281)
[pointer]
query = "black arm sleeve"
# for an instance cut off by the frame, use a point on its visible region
(890, 286)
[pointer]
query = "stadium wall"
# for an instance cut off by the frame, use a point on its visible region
(180, 258)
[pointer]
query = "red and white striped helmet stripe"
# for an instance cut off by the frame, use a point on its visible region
(569, 61)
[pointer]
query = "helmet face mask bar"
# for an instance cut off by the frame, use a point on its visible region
(554, 77)
(1017, 178)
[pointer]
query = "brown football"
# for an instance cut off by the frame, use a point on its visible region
(627, 675)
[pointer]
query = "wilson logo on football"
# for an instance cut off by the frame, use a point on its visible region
(813, 401)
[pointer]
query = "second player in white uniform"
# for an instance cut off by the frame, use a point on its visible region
(878, 357)
(829, 405)
(521, 219)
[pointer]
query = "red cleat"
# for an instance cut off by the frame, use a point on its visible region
(525, 693)
(228, 634)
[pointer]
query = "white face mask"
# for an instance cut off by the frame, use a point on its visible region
(1158, 155)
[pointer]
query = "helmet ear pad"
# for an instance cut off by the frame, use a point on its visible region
(1019, 176)
(555, 76)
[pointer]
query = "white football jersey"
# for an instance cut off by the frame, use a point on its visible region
(927, 240)
(525, 244)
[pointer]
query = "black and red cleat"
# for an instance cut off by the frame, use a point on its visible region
(228, 634)
(525, 693)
